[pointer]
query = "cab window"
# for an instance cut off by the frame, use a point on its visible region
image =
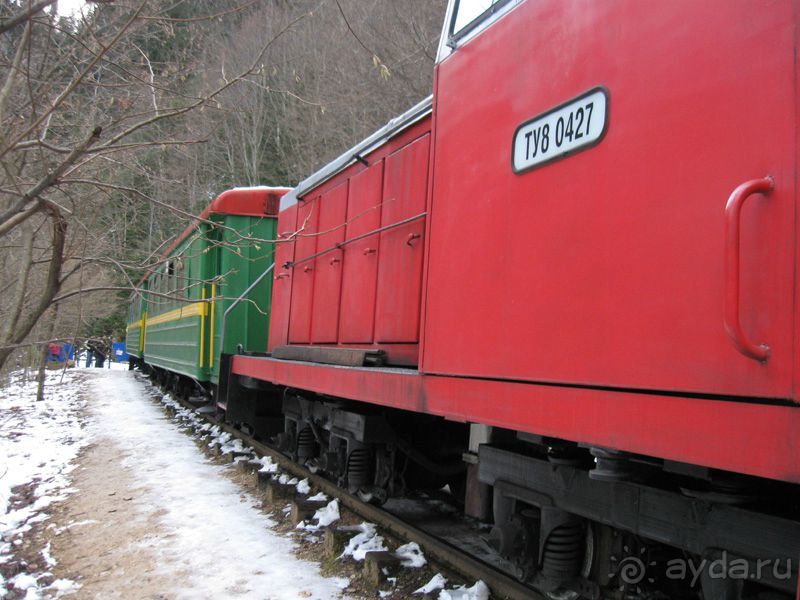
(468, 13)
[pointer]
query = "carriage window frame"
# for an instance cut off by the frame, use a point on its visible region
(474, 23)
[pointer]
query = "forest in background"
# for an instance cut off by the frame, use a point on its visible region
(116, 127)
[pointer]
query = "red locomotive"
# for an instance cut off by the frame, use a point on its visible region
(567, 286)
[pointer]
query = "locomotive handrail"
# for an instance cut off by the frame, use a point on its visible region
(289, 264)
(733, 211)
(235, 303)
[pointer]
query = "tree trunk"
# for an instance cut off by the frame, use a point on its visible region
(45, 353)
(51, 288)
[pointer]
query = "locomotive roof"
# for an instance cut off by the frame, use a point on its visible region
(413, 115)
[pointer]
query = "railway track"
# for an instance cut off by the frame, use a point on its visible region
(440, 551)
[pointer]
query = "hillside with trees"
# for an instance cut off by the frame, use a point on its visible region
(117, 126)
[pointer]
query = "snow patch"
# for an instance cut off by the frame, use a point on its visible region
(267, 465)
(411, 556)
(38, 443)
(479, 591)
(303, 487)
(367, 540)
(48, 558)
(63, 586)
(323, 516)
(437, 582)
(24, 581)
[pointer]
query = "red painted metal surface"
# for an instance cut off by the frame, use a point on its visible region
(397, 388)
(366, 293)
(303, 274)
(405, 183)
(555, 297)
(328, 267)
(606, 268)
(248, 202)
(282, 279)
(706, 432)
(733, 215)
(360, 269)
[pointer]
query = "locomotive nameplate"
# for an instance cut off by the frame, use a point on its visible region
(575, 125)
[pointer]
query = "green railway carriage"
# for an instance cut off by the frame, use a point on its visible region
(134, 335)
(176, 320)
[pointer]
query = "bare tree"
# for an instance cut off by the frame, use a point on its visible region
(119, 126)
(80, 103)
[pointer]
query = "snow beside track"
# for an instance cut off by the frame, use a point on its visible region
(210, 528)
(211, 539)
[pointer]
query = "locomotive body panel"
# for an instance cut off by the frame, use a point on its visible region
(360, 268)
(328, 267)
(245, 252)
(134, 331)
(359, 252)
(303, 273)
(282, 278)
(405, 184)
(677, 428)
(606, 267)
(176, 337)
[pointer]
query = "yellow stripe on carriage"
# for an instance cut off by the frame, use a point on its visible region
(202, 327)
(190, 310)
(211, 337)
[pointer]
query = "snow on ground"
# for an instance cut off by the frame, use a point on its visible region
(206, 517)
(479, 591)
(367, 540)
(207, 526)
(411, 555)
(209, 531)
(38, 444)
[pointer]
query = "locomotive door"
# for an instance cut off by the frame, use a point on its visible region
(360, 271)
(303, 273)
(282, 278)
(405, 184)
(616, 263)
(328, 266)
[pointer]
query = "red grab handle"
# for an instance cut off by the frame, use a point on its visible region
(733, 211)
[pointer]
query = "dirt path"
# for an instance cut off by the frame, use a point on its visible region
(103, 540)
(151, 517)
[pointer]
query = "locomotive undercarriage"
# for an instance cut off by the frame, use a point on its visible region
(576, 522)
(558, 523)
(373, 453)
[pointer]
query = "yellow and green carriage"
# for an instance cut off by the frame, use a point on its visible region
(177, 313)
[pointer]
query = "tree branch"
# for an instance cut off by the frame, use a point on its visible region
(7, 219)
(24, 16)
(75, 82)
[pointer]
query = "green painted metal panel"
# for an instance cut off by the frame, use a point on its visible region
(132, 339)
(133, 333)
(180, 343)
(216, 262)
(175, 346)
(246, 250)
